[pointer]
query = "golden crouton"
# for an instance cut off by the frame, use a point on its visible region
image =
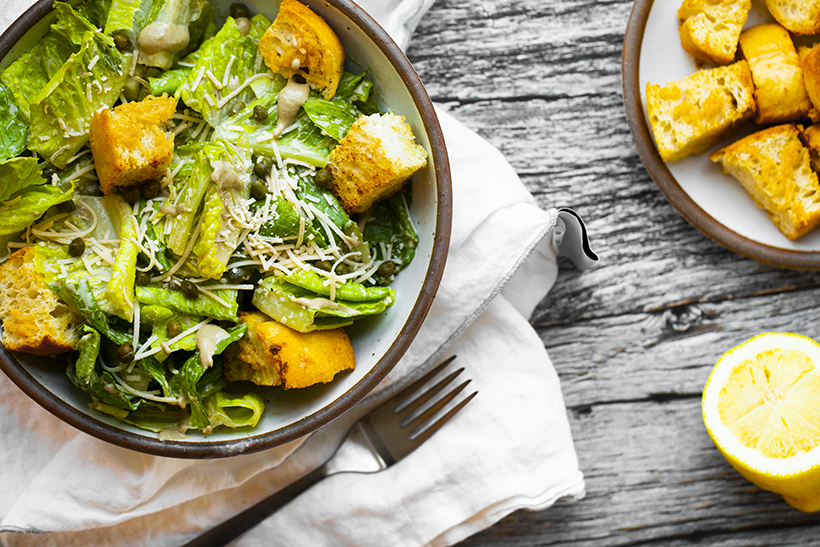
(810, 60)
(690, 115)
(710, 29)
(128, 145)
(798, 16)
(373, 161)
(811, 138)
(272, 354)
(34, 319)
(780, 92)
(774, 167)
(300, 42)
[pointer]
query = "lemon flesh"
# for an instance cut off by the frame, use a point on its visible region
(761, 407)
(771, 403)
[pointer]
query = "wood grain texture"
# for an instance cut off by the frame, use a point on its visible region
(634, 338)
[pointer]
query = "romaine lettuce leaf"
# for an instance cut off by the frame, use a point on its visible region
(284, 221)
(159, 317)
(334, 117)
(354, 87)
(32, 70)
(306, 310)
(120, 289)
(234, 410)
(71, 24)
(389, 224)
(14, 134)
(195, 382)
(61, 113)
(126, 15)
(25, 195)
(230, 58)
(201, 306)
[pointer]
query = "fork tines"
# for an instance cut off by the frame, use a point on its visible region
(424, 413)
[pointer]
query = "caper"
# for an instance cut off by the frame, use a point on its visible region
(173, 328)
(237, 275)
(76, 247)
(238, 10)
(324, 265)
(125, 353)
(259, 189)
(151, 189)
(323, 177)
(342, 269)
(189, 289)
(387, 269)
(122, 41)
(131, 194)
(67, 206)
(142, 279)
(260, 113)
(237, 107)
(48, 172)
(262, 167)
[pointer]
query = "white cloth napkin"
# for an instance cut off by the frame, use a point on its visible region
(510, 448)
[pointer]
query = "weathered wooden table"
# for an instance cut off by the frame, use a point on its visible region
(633, 339)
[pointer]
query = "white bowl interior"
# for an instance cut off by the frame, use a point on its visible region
(371, 338)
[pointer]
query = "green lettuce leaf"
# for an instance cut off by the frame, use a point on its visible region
(61, 111)
(202, 306)
(196, 382)
(306, 310)
(333, 118)
(71, 24)
(284, 221)
(389, 224)
(120, 289)
(25, 195)
(234, 411)
(227, 51)
(126, 15)
(354, 87)
(32, 70)
(159, 317)
(15, 132)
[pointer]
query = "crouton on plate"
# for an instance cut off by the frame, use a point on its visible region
(300, 42)
(710, 29)
(780, 92)
(373, 160)
(272, 354)
(690, 115)
(798, 16)
(774, 167)
(128, 144)
(34, 319)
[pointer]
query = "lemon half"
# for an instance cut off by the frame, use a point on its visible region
(761, 406)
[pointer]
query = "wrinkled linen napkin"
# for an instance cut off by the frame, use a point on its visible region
(510, 448)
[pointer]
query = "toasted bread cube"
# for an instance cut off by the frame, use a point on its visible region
(798, 16)
(272, 354)
(811, 138)
(690, 115)
(35, 320)
(128, 144)
(810, 61)
(373, 161)
(780, 92)
(710, 29)
(774, 167)
(300, 42)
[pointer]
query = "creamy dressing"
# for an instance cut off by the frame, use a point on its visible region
(323, 304)
(244, 25)
(176, 210)
(291, 99)
(171, 435)
(207, 337)
(159, 36)
(224, 176)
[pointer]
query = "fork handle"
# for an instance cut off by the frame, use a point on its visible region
(231, 529)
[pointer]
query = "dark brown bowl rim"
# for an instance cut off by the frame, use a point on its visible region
(219, 449)
(677, 196)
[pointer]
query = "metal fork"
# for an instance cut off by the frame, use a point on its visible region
(378, 440)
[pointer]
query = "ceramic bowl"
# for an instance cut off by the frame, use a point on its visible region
(378, 343)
